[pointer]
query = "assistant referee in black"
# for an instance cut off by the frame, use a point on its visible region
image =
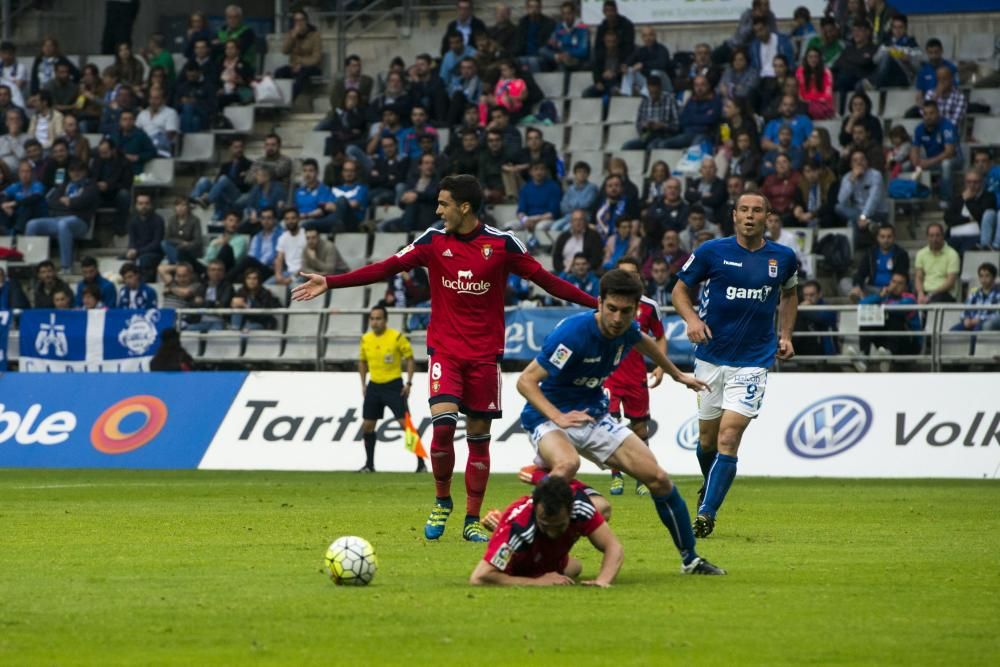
(382, 353)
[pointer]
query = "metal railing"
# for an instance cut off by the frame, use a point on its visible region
(939, 345)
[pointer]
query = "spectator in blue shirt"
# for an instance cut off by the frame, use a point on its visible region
(457, 51)
(880, 262)
(938, 139)
(569, 47)
(988, 293)
(861, 201)
(23, 200)
(350, 201)
(91, 276)
(580, 194)
(580, 275)
(133, 142)
(313, 199)
(263, 249)
(783, 147)
(983, 163)
(767, 44)
(533, 32)
(538, 200)
(266, 193)
(895, 293)
(410, 146)
(135, 293)
(927, 74)
(801, 125)
(464, 89)
(699, 118)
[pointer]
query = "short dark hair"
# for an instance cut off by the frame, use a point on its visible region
(802, 13)
(464, 189)
(352, 58)
(93, 290)
(617, 282)
(310, 162)
(934, 42)
(290, 209)
(7, 47)
(628, 259)
(88, 261)
(127, 268)
(989, 267)
(265, 209)
(45, 264)
(533, 130)
(580, 164)
(813, 283)
(930, 103)
(902, 19)
(274, 136)
(696, 208)
(581, 255)
(379, 306)
(553, 495)
(233, 213)
(827, 20)
(887, 225)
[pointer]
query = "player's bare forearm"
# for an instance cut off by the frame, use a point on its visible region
(528, 386)
(605, 541)
(787, 312)
(411, 368)
(486, 574)
(681, 299)
(363, 372)
(656, 352)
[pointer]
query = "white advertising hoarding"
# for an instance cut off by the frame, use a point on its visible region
(690, 11)
(811, 425)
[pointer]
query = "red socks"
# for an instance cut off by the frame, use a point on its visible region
(443, 452)
(477, 472)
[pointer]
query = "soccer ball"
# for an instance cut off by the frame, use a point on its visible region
(350, 561)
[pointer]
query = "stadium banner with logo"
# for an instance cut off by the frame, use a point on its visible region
(810, 425)
(116, 340)
(528, 327)
(688, 11)
(5, 321)
(111, 420)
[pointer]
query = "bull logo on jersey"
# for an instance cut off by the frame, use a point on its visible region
(772, 268)
(466, 284)
(487, 251)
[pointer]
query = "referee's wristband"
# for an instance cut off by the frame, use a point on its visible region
(409, 384)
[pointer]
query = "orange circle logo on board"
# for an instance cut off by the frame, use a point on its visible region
(107, 436)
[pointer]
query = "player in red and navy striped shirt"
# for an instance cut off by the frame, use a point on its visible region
(628, 393)
(468, 264)
(532, 541)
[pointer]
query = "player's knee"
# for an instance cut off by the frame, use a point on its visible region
(565, 468)
(660, 484)
(641, 428)
(729, 441)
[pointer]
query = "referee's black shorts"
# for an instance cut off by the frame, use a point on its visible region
(378, 397)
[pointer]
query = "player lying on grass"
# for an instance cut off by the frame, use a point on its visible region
(533, 538)
(567, 410)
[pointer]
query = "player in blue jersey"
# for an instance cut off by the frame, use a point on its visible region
(567, 410)
(733, 329)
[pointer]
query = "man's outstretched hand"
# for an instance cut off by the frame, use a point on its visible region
(314, 286)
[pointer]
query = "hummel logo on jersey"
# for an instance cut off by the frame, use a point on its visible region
(758, 294)
(447, 252)
(728, 263)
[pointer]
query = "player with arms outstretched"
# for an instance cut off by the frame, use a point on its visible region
(468, 264)
(733, 330)
(567, 411)
(627, 387)
(532, 540)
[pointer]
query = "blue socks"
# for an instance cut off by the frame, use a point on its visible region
(705, 460)
(674, 514)
(720, 478)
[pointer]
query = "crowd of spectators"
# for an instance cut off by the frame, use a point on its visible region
(793, 115)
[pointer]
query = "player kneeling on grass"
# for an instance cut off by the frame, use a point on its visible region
(533, 538)
(567, 410)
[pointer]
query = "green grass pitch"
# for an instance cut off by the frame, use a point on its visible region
(196, 568)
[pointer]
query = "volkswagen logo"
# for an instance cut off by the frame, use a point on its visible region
(829, 427)
(687, 434)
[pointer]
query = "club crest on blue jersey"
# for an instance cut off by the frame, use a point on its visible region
(772, 268)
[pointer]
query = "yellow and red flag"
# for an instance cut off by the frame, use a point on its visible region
(411, 438)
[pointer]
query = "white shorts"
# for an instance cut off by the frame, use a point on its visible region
(595, 442)
(740, 389)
